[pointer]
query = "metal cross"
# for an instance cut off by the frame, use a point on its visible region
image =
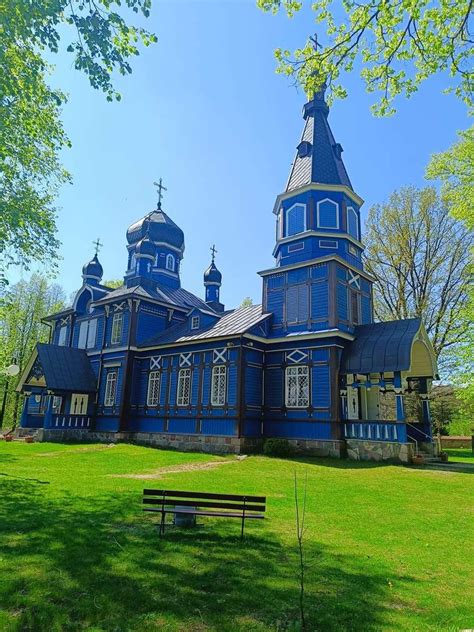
(314, 40)
(98, 245)
(161, 188)
(214, 252)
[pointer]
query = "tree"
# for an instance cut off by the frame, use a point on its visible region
(247, 302)
(113, 283)
(22, 308)
(399, 43)
(455, 169)
(419, 255)
(31, 132)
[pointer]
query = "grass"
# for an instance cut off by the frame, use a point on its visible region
(388, 548)
(460, 455)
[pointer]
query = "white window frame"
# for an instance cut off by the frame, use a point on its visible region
(154, 388)
(62, 336)
(170, 263)
(287, 234)
(117, 329)
(352, 209)
(110, 388)
(195, 322)
(295, 397)
(57, 404)
(336, 227)
(79, 401)
(183, 390)
(333, 241)
(82, 339)
(219, 385)
(91, 334)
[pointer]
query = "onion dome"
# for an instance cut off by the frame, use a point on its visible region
(145, 247)
(159, 228)
(93, 269)
(212, 274)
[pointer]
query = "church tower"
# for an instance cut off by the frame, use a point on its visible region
(318, 282)
(212, 284)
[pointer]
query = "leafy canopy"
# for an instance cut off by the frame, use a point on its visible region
(399, 44)
(455, 169)
(31, 132)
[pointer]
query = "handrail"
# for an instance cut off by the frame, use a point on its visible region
(415, 442)
(418, 430)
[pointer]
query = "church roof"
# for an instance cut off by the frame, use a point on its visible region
(381, 347)
(158, 227)
(63, 368)
(318, 159)
(175, 297)
(232, 323)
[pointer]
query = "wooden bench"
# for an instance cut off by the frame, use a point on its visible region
(166, 501)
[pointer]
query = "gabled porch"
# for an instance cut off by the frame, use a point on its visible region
(59, 386)
(385, 382)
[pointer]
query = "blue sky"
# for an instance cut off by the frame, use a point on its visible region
(205, 111)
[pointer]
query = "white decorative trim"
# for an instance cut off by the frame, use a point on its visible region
(317, 187)
(354, 279)
(296, 356)
(304, 218)
(303, 264)
(219, 355)
(155, 362)
(337, 214)
(185, 359)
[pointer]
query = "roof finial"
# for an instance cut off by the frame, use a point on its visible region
(161, 188)
(319, 95)
(98, 245)
(314, 40)
(214, 252)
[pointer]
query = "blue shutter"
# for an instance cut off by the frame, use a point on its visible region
(327, 213)
(295, 219)
(352, 222)
(303, 307)
(292, 304)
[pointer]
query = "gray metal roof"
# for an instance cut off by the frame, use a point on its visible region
(231, 323)
(324, 164)
(66, 369)
(381, 347)
(175, 297)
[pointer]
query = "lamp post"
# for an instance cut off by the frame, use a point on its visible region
(10, 371)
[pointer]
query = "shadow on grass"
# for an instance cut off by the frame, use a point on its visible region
(75, 563)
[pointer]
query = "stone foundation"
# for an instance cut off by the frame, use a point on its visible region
(361, 450)
(185, 443)
(313, 447)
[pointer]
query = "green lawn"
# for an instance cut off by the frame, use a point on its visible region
(460, 455)
(388, 548)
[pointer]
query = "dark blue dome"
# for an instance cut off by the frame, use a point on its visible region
(93, 269)
(159, 228)
(212, 274)
(145, 247)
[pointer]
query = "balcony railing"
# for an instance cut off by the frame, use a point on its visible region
(61, 421)
(392, 431)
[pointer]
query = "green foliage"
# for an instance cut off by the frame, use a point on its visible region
(277, 447)
(113, 283)
(22, 307)
(247, 302)
(31, 132)
(398, 43)
(455, 169)
(420, 258)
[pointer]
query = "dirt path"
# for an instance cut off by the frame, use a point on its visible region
(185, 467)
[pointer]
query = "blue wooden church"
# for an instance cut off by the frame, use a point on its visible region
(151, 362)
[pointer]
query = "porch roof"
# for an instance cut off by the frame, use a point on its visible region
(63, 369)
(387, 347)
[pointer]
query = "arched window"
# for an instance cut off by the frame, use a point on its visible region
(352, 222)
(133, 262)
(328, 214)
(295, 219)
(170, 263)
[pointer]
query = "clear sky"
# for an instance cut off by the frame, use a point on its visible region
(205, 111)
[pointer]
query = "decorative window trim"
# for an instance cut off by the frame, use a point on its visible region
(352, 209)
(219, 355)
(296, 247)
(110, 388)
(195, 322)
(183, 391)
(57, 404)
(354, 295)
(155, 363)
(297, 386)
(336, 227)
(170, 263)
(117, 328)
(219, 385)
(154, 388)
(185, 359)
(353, 250)
(62, 336)
(328, 243)
(287, 212)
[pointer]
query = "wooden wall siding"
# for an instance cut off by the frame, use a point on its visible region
(342, 307)
(298, 429)
(150, 322)
(107, 424)
(253, 386)
(108, 333)
(366, 310)
(321, 387)
(103, 380)
(252, 427)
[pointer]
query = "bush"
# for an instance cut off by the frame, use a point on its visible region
(277, 447)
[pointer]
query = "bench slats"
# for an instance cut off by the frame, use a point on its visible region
(211, 514)
(204, 503)
(180, 494)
